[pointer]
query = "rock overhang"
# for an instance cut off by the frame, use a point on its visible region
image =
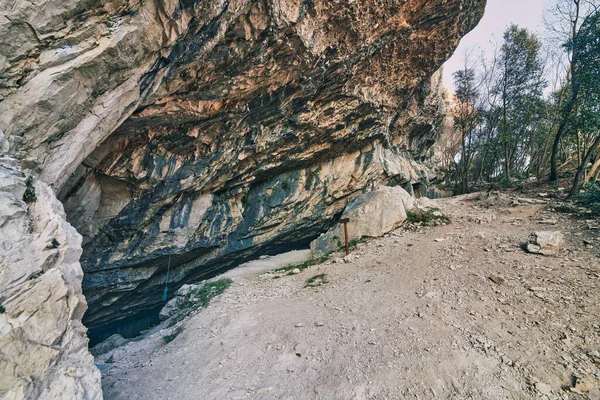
(209, 129)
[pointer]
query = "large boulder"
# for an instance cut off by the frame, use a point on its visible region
(372, 214)
(43, 344)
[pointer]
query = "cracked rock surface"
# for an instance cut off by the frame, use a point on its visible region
(43, 344)
(211, 130)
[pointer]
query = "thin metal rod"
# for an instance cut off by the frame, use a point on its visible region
(346, 237)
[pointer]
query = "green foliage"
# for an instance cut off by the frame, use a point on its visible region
(595, 209)
(29, 195)
(171, 336)
(338, 241)
(202, 296)
(585, 48)
(2, 309)
(54, 243)
(353, 243)
(316, 280)
(431, 217)
(589, 197)
(301, 266)
(565, 208)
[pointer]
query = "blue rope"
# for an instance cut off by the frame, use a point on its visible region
(167, 280)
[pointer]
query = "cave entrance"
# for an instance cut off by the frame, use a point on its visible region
(141, 322)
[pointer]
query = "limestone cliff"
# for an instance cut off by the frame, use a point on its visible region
(212, 131)
(43, 344)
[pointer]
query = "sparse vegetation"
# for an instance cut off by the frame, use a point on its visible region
(201, 297)
(54, 243)
(431, 217)
(353, 243)
(2, 309)
(589, 198)
(172, 335)
(316, 280)
(310, 178)
(29, 195)
(565, 208)
(301, 266)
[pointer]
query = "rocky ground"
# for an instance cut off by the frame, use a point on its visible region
(457, 311)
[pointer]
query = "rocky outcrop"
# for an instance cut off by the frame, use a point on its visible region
(370, 215)
(210, 131)
(43, 344)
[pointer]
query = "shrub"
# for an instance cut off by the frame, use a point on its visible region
(589, 197)
(431, 217)
(565, 208)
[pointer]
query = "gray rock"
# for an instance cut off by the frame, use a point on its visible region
(109, 344)
(546, 243)
(372, 214)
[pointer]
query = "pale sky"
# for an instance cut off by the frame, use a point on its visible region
(498, 15)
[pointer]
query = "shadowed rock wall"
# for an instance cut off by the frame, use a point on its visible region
(213, 131)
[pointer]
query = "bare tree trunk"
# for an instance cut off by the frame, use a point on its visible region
(582, 166)
(570, 105)
(595, 170)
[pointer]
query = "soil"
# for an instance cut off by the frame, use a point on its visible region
(448, 312)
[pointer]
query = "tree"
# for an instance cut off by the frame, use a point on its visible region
(571, 12)
(466, 118)
(519, 85)
(585, 114)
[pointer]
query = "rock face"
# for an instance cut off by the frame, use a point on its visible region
(372, 214)
(212, 130)
(43, 344)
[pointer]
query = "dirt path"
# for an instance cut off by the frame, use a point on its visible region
(415, 316)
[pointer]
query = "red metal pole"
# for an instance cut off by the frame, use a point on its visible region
(346, 235)
(345, 222)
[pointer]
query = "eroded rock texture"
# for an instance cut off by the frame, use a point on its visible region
(214, 130)
(43, 344)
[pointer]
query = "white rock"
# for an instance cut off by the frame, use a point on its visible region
(43, 344)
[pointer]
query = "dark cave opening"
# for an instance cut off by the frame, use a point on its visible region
(135, 325)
